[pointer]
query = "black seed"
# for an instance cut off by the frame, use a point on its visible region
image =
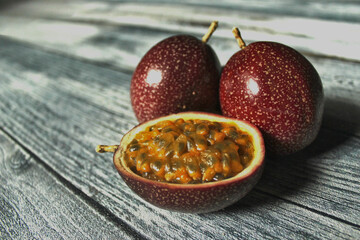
(201, 128)
(210, 141)
(245, 159)
(133, 169)
(233, 155)
(225, 159)
(203, 167)
(167, 129)
(208, 158)
(192, 167)
(200, 140)
(220, 146)
(177, 164)
(194, 182)
(161, 142)
(177, 121)
(134, 147)
(182, 126)
(134, 141)
(169, 153)
(179, 147)
(233, 134)
(190, 144)
(211, 159)
(156, 165)
(217, 126)
(126, 157)
(218, 177)
(142, 157)
(212, 134)
(133, 159)
(167, 167)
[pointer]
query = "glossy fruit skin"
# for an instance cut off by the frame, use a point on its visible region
(180, 73)
(277, 89)
(193, 198)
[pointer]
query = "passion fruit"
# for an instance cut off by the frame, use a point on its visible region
(277, 89)
(220, 161)
(180, 73)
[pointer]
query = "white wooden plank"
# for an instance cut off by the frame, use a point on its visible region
(345, 10)
(317, 36)
(123, 48)
(36, 205)
(323, 176)
(69, 124)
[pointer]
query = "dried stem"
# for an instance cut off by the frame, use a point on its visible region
(106, 148)
(211, 30)
(238, 38)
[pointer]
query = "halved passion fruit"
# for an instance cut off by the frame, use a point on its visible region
(191, 162)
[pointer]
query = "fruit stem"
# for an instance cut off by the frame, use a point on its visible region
(238, 38)
(211, 30)
(106, 148)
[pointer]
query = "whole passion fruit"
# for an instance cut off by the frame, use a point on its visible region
(191, 161)
(278, 90)
(180, 73)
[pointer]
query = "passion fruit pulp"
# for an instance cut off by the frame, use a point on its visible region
(193, 197)
(189, 151)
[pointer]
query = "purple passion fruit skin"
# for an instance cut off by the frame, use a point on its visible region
(180, 73)
(277, 89)
(194, 198)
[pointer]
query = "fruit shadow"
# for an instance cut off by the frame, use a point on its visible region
(286, 176)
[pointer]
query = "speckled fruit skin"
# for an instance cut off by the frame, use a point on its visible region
(278, 90)
(180, 73)
(194, 198)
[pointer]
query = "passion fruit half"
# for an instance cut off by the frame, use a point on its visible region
(195, 194)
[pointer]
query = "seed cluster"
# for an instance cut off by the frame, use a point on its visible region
(191, 151)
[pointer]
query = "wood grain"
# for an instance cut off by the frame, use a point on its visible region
(61, 108)
(310, 35)
(65, 71)
(35, 203)
(346, 10)
(121, 45)
(122, 48)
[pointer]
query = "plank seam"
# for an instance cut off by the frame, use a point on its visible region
(37, 47)
(310, 209)
(103, 211)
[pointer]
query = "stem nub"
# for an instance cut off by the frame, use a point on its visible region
(211, 30)
(238, 38)
(106, 148)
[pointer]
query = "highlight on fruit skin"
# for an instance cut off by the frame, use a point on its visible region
(203, 195)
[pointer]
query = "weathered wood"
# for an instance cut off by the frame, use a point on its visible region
(341, 11)
(323, 176)
(35, 204)
(346, 10)
(61, 108)
(122, 48)
(316, 36)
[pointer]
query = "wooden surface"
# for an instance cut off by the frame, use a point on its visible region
(65, 71)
